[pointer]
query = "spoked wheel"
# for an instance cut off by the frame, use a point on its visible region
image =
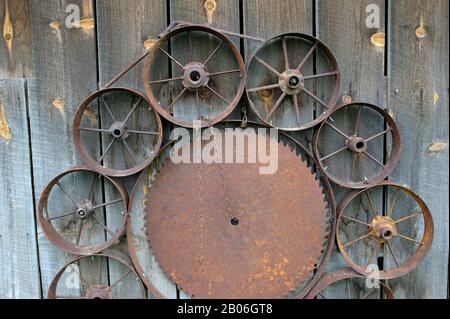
(86, 277)
(205, 81)
(350, 148)
(347, 284)
(130, 130)
(76, 217)
(402, 232)
(282, 87)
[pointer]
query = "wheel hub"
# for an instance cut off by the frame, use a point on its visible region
(382, 228)
(85, 208)
(118, 130)
(357, 144)
(194, 76)
(98, 292)
(291, 82)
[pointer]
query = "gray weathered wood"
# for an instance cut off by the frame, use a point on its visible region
(418, 72)
(19, 272)
(124, 29)
(15, 45)
(64, 72)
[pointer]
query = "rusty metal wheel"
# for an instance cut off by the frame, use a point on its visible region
(290, 78)
(234, 226)
(129, 129)
(341, 282)
(74, 214)
(402, 231)
(349, 145)
(86, 277)
(206, 76)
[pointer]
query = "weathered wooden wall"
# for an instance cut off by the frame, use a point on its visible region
(46, 69)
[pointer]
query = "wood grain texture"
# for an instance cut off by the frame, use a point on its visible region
(64, 70)
(418, 72)
(122, 30)
(19, 272)
(15, 43)
(342, 27)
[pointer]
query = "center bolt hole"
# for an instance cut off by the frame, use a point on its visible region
(360, 145)
(387, 234)
(195, 76)
(293, 81)
(81, 212)
(234, 221)
(117, 132)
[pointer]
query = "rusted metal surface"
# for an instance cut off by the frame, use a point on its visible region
(328, 279)
(286, 76)
(130, 136)
(222, 244)
(405, 213)
(196, 76)
(65, 229)
(98, 289)
(357, 146)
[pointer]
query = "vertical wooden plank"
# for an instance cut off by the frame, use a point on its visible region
(15, 45)
(418, 72)
(343, 28)
(124, 30)
(64, 70)
(19, 273)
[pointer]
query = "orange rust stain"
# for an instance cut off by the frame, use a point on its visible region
(210, 7)
(5, 132)
(54, 25)
(149, 43)
(87, 23)
(436, 147)
(59, 104)
(8, 32)
(90, 114)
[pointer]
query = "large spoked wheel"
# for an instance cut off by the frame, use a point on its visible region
(358, 145)
(130, 131)
(293, 82)
(86, 277)
(76, 217)
(205, 81)
(402, 232)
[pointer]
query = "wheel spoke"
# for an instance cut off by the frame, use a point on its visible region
(79, 231)
(106, 150)
(197, 104)
(322, 295)
(91, 129)
(108, 203)
(391, 208)
(130, 151)
(297, 108)
(405, 218)
(142, 132)
(378, 134)
(224, 72)
(217, 94)
(175, 100)
(107, 108)
(91, 188)
(60, 216)
(368, 293)
(67, 193)
(271, 69)
(315, 97)
(355, 240)
(410, 239)
(213, 53)
(349, 293)
(373, 159)
(276, 105)
(334, 153)
(392, 253)
(166, 80)
(135, 105)
(358, 118)
(171, 57)
(353, 167)
(285, 53)
(337, 130)
(372, 207)
(320, 75)
(120, 279)
(307, 56)
(265, 87)
(355, 220)
(103, 225)
(372, 254)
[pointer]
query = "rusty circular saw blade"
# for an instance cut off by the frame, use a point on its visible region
(227, 231)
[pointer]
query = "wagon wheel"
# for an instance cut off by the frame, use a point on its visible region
(206, 79)
(130, 130)
(353, 136)
(403, 233)
(343, 280)
(78, 219)
(71, 283)
(281, 81)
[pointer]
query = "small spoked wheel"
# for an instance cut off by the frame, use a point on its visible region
(100, 276)
(358, 145)
(204, 80)
(293, 81)
(127, 127)
(394, 238)
(77, 217)
(346, 283)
